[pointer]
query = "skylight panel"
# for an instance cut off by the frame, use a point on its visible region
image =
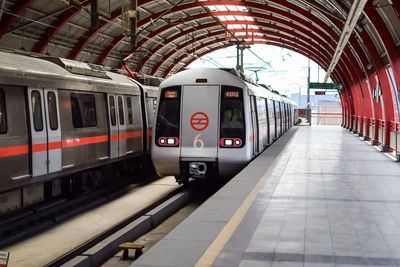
(222, 18)
(240, 33)
(230, 17)
(212, 8)
(221, 8)
(235, 26)
(252, 27)
(237, 8)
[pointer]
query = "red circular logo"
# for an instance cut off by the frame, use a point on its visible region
(199, 121)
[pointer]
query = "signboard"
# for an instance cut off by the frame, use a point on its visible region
(4, 258)
(334, 86)
(319, 92)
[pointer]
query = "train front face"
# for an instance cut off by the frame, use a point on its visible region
(200, 131)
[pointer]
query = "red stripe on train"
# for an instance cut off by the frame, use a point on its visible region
(54, 145)
(127, 135)
(24, 149)
(13, 151)
(39, 147)
(133, 134)
(84, 141)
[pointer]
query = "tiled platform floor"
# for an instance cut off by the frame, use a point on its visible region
(330, 200)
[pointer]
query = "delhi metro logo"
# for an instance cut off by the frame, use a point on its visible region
(199, 121)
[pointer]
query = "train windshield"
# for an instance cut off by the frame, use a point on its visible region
(232, 115)
(168, 113)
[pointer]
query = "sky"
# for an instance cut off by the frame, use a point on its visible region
(282, 69)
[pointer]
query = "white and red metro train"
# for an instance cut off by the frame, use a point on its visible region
(212, 122)
(64, 122)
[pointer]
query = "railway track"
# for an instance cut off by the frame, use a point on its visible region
(176, 199)
(38, 218)
(51, 241)
(59, 237)
(97, 252)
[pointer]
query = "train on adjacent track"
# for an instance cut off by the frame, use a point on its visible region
(212, 122)
(64, 124)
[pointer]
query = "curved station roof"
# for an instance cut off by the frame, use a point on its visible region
(356, 42)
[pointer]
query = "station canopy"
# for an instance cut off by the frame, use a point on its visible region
(171, 34)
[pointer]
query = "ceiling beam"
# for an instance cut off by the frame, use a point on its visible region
(9, 18)
(355, 12)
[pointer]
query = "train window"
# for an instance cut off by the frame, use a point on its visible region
(129, 107)
(112, 109)
(232, 114)
(83, 108)
(121, 111)
(3, 114)
(37, 111)
(52, 101)
(168, 113)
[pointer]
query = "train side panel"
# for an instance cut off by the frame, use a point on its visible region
(134, 127)
(84, 128)
(14, 142)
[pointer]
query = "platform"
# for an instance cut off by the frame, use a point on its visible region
(319, 196)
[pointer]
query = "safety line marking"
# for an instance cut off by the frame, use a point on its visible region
(215, 248)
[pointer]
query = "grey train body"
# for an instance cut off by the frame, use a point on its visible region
(211, 122)
(56, 122)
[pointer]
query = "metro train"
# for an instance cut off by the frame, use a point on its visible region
(65, 123)
(212, 122)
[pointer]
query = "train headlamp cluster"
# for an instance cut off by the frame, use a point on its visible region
(230, 142)
(168, 141)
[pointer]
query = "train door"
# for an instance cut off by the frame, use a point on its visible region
(45, 131)
(276, 116)
(199, 121)
(271, 120)
(121, 126)
(112, 125)
(268, 121)
(53, 130)
(254, 122)
(280, 118)
(285, 120)
(262, 123)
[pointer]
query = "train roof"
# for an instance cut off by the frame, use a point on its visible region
(43, 72)
(213, 76)
(263, 92)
